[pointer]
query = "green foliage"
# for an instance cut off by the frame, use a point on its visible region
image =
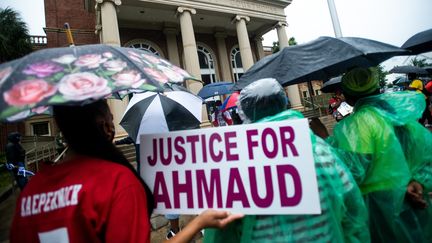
(14, 36)
(275, 47)
(292, 41)
(420, 62)
(382, 76)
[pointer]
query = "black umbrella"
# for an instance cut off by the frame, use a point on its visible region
(408, 69)
(401, 80)
(419, 43)
(321, 59)
(428, 69)
(332, 85)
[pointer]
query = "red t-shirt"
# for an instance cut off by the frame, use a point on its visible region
(82, 200)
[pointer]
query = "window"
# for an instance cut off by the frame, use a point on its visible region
(236, 63)
(317, 92)
(207, 65)
(145, 45)
(40, 128)
(305, 94)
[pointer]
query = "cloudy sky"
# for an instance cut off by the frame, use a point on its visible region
(390, 21)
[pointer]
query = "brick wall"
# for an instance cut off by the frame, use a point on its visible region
(81, 20)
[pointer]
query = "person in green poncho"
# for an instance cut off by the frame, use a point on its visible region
(343, 217)
(389, 155)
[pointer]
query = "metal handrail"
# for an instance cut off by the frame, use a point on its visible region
(60, 156)
(314, 106)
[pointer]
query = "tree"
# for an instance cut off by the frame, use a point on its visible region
(420, 62)
(275, 47)
(14, 36)
(382, 76)
(292, 41)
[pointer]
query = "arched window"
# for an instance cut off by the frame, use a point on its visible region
(145, 45)
(207, 65)
(236, 63)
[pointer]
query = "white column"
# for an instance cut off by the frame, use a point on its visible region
(282, 35)
(110, 32)
(191, 54)
(171, 37)
(259, 47)
(188, 38)
(110, 35)
(223, 56)
(292, 90)
(243, 39)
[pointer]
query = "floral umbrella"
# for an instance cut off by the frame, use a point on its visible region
(79, 75)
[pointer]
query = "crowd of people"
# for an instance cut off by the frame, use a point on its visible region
(374, 177)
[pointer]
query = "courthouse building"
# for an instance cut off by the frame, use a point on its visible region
(216, 40)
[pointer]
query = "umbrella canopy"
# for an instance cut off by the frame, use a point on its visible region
(80, 75)
(321, 59)
(214, 89)
(230, 101)
(419, 43)
(332, 85)
(409, 69)
(401, 80)
(151, 112)
(428, 69)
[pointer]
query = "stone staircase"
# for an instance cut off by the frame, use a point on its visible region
(129, 152)
(329, 122)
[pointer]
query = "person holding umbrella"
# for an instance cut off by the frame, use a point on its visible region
(388, 153)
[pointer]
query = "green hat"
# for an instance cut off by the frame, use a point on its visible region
(360, 81)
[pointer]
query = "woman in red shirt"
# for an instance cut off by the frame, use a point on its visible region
(94, 194)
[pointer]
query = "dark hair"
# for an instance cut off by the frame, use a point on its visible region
(81, 129)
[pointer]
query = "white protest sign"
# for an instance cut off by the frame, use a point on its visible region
(261, 168)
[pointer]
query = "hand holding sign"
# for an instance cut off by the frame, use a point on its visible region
(253, 169)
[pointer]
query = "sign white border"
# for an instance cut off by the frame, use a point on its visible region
(248, 151)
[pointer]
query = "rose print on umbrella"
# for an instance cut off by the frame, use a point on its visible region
(128, 78)
(65, 59)
(81, 86)
(80, 74)
(159, 76)
(42, 70)
(171, 74)
(90, 61)
(115, 65)
(28, 92)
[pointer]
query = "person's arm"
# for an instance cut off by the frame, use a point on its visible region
(227, 118)
(318, 128)
(207, 219)
(214, 119)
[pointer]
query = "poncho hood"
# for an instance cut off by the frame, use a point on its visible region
(398, 107)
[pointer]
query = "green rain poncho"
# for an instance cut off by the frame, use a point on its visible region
(385, 148)
(343, 217)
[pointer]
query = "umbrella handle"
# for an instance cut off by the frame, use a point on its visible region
(69, 35)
